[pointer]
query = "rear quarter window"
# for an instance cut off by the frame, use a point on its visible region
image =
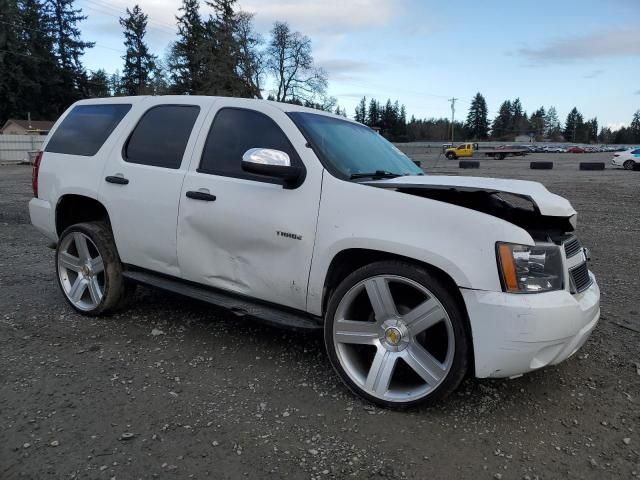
(85, 129)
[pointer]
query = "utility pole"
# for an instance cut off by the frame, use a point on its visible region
(453, 113)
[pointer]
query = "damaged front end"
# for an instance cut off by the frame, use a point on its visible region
(529, 205)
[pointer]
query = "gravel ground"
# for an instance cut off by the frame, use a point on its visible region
(176, 389)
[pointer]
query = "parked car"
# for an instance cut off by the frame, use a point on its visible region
(555, 149)
(629, 159)
(308, 220)
(575, 149)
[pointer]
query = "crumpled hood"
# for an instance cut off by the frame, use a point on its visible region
(547, 203)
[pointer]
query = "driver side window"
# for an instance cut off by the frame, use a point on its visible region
(232, 133)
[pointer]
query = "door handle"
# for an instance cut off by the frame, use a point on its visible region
(195, 195)
(117, 179)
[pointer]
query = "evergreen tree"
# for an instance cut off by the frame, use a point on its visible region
(519, 121)
(537, 123)
(115, 84)
(477, 124)
(591, 130)
(373, 115)
(40, 65)
(634, 127)
(605, 135)
(552, 129)
(186, 62)
(574, 126)
(12, 62)
(69, 48)
(222, 55)
(361, 111)
(501, 128)
(139, 63)
(98, 84)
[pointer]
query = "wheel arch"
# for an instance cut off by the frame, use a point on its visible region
(73, 208)
(347, 261)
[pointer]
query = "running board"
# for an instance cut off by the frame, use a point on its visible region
(239, 306)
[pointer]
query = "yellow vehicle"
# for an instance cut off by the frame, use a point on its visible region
(461, 151)
(469, 149)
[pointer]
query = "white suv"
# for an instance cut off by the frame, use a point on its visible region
(311, 221)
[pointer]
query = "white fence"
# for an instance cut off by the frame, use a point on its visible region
(16, 148)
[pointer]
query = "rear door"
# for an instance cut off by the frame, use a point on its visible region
(143, 177)
(248, 234)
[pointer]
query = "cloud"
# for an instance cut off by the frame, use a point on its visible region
(593, 74)
(324, 16)
(623, 42)
(637, 92)
(343, 69)
(616, 125)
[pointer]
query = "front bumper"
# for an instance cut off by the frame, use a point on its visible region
(518, 333)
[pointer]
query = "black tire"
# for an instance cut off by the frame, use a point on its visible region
(441, 292)
(469, 164)
(541, 165)
(118, 292)
(629, 165)
(451, 155)
(591, 165)
(501, 156)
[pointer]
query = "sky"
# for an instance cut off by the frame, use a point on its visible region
(565, 53)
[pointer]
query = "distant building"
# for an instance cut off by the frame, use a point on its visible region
(524, 139)
(530, 138)
(14, 126)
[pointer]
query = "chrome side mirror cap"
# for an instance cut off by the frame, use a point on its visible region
(273, 163)
(267, 156)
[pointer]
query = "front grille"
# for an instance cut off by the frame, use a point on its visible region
(572, 247)
(580, 277)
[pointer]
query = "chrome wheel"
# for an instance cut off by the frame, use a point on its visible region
(393, 338)
(628, 165)
(81, 271)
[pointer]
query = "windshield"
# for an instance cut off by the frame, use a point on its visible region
(349, 149)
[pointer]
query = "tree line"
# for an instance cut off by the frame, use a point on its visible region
(510, 121)
(41, 68)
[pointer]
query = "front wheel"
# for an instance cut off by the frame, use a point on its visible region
(89, 269)
(628, 165)
(396, 336)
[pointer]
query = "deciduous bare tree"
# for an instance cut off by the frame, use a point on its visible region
(290, 61)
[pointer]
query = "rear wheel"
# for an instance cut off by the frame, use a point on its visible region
(396, 336)
(628, 165)
(451, 156)
(89, 270)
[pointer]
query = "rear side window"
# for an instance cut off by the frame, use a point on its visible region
(85, 129)
(233, 132)
(161, 136)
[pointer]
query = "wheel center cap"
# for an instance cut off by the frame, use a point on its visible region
(393, 336)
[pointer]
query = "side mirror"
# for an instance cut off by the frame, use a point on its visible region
(272, 163)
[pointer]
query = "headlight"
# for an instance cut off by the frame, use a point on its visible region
(525, 269)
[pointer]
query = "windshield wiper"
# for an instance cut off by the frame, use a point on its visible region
(376, 174)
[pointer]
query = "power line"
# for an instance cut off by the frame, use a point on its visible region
(115, 12)
(23, 27)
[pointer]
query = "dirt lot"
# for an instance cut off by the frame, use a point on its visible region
(174, 389)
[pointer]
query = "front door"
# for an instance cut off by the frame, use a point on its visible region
(143, 179)
(243, 232)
